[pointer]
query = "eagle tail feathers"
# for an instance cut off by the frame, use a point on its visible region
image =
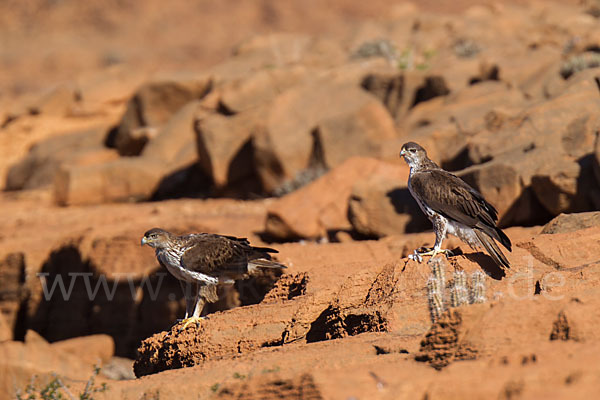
(255, 265)
(492, 248)
(265, 250)
(504, 239)
(497, 234)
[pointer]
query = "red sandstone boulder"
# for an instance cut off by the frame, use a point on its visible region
(6, 333)
(124, 179)
(13, 293)
(320, 206)
(60, 101)
(381, 204)
(290, 142)
(259, 88)
(153, 105)
(572, 222)
(38, 360)
(223, 143)
(45, 158)
(174, 138)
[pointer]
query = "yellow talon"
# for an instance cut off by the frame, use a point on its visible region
(191, 320)
(435, 252)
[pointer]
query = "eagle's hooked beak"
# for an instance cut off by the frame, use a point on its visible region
(402, 153)
(144, 241)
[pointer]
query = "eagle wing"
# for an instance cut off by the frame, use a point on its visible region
(217, 255)
(450, 196)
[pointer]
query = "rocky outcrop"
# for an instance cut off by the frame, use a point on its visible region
(36, 362)
(321, 206)
(225, 145)
(381, 205)
(153, 105)
(572, 222)
(390, 299)
(122, 180)
(13, 296)
(41, 164)
(302, 130)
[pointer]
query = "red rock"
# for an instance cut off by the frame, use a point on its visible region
(93, 350)
(499, 183)
(505, 183)
(399, 92)
(363, 133)
(556, 124)
(289, 48)
(564, 223)
(259, 88)
(223, 145)
(38, 360)
(597, 159)
(44, 159)
(381, 204)
(126, 179)
(320, 206)
(443, 125)
(467, 108)
(59, 102)
(13, 293)
(5, 331)
(285, 146)
(559, 185)
(565, 251)
(152, 106)
(174, 137)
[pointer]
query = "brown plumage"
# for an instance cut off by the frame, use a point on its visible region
(453, 206)
(206, 260)
(218, 255)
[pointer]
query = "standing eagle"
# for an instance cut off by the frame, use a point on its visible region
(453, 206)
(205, 260)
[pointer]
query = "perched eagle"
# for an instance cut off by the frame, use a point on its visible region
(205, 260)
(453, 206)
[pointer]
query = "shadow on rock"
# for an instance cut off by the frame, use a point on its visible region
(404, 203)
(487, 264)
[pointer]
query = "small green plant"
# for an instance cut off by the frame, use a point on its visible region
(270, 370)
(49, 392)
(215, 387)
(55, 389)
(410, 59)
(237, 375)
(89, 386)
(406, 60)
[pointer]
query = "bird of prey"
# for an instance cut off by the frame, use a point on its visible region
(203, 260)
(453, 207)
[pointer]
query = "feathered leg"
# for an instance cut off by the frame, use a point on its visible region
(204, 293)
(190, 293)
(193, 314)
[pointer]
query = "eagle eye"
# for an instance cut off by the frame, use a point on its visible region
(412, 150)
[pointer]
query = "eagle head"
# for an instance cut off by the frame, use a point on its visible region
(156, 237)
(413, 154)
